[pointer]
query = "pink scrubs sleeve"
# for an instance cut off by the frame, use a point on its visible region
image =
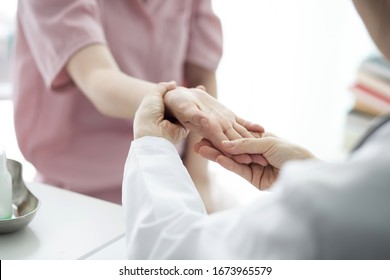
(56, 30)
(205, 45)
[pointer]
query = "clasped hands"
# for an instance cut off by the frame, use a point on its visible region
(236, 144)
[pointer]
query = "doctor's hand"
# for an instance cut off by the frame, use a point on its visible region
(275, 150)
(150, 119)
(203, 114)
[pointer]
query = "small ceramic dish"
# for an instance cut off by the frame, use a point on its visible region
(25, 204)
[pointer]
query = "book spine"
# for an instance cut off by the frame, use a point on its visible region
(368, 102)
(377, 86)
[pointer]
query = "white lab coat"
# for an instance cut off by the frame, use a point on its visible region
(317, 210)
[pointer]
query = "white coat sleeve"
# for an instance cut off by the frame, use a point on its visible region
(166, 219)
(159, 197)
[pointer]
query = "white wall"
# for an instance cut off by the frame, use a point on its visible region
(287, 65)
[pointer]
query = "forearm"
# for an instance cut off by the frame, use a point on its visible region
(116, 94)
(376, 17)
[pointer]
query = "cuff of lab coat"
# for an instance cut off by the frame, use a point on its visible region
(156, 142)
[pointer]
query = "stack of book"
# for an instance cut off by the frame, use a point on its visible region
(371, 92)
(372, 87)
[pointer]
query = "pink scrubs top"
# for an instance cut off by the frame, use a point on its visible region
(59, 131)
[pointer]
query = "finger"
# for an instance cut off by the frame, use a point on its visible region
(207, 143)
(259, 159)
(244, 158)
(207, 150)
(256, 134)
(269, 134)
(209, 153)
(201, 143)
(175, 132)
(211, 130)
(247, 159)
(242, 131)
(249, 145)
(249, 125)
(232, 134)
(240, 169)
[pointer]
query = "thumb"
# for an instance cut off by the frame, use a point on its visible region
(162, 88)
(249, 145)
(202, 87)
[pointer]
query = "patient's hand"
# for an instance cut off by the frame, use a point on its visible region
(150, 121)
(202, 113)
(275, 150)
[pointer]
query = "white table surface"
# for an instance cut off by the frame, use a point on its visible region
(68, 226)
(114, 251)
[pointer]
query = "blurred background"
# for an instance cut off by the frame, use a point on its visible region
(287, 65)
